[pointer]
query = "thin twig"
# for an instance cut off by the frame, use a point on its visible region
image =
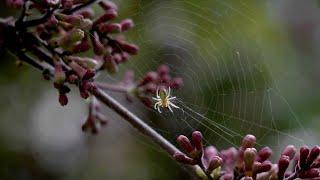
(70, 11)
(112, 87)
(36, 22)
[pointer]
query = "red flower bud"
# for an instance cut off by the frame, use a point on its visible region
(107, 16)
(264, 154)
(183, 158)
(304, 152)
(185, 143)
(248, 141)
(129, 48)
(107, 5)
(197, 140)
(109, 28)
(63, 99)
(283, 164)
(214, 163)
(126, 24)
(314, 153)
(289, 151)
(309, 174)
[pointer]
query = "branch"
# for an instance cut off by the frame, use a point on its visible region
(112, 87)
(70, 11)
(134, 121)
(36, 22)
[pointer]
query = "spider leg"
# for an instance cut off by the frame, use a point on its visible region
(156, 99)
(171, 98)
(173, 105)
(169, 92)
(159, 109)
(156, 105)
(170, 108)
(158, 96)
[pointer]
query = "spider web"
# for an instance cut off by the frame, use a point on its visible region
(223, 52)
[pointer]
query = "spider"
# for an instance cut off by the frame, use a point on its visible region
(163, 100)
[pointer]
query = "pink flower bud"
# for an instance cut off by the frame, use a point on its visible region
(80, 71)
(150, 76)
(87, 13)
(183, 158)
(265, 166)
(98, 47)
(110, 65)
(248, 141)
(176, 83)
(210, 152)
(309, 174)
(15, 3)
(63, 99)
(129, 48)
(314, 153)
(107, 5)
(214, 163)
(185, 144)
(289, 151)
(197, 140)
(249, 157)
(83, 46)
(304, 152)
(227, 176)
(59, 74)
(264, 154)
(163, 70)
(67, 4)
(126, 24)
(109, 28)
(283, 164)
(107, 16)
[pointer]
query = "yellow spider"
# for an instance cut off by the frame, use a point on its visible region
(164, 100)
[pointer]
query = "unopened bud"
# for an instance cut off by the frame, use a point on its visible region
(249, 157)
(183, 158)
(106, 5)
(309, 174)
(109, 28)
(283, 164)
(129, 48)
(314, 153)
(214, 163)
(248, 141)
(63, 99)
(264, 154)
(197, 140)
(107, 16)
(126, 24)
(289, 151)
(185, 143)
(304, 152)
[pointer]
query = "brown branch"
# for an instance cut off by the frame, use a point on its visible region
(77, 8)
(112, 87)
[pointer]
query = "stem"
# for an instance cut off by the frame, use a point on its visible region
(112, 87)
(70, 11)
(35, 22)
(136, 122)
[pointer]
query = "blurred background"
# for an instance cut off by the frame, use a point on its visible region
(249, 66)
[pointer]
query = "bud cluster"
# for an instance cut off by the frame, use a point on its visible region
(95, 119)
(248, 163)
(67, 31)
(147, 86)
(60, 40)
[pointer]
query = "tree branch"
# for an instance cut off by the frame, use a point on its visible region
(112, 87)
(70, 11)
